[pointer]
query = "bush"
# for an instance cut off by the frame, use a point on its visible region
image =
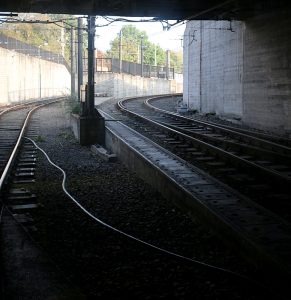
(76, 109)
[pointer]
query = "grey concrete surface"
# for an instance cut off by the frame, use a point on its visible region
(21, 77)
(241, 69)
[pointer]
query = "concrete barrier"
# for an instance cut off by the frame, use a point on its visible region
(124, 85)
(24, 77)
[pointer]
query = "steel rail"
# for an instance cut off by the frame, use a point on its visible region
(18, 106)
(15, 149)
(21, 105)
(265, 136)
(217, 128)
(245, 164)
(256, 153)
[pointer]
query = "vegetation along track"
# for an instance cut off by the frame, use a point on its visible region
(258, 168)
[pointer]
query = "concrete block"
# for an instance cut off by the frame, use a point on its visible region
(103, 153)
(21, 75)
(88, 130)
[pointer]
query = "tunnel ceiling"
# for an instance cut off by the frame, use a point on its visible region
(164, 9)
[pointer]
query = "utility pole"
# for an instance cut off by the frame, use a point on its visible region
(91, 66)
(120, 51)
(138, 54)
(73, 88)
(63, 42)
(141, 55)
(155, 54)
(168, 65)
(91, 125)
(80, 56)
(39, 68)
(39, 72)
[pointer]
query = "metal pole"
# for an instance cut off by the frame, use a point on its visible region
(155, 54)
(91, 66)
(72, 63)
(168, 65)
(80, 57)
(200, 61)
(141, 56)
(63, 39)
(76, 61)
(120, 51)
(39, 72)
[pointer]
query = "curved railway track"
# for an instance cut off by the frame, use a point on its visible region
(13, 122)
(249, 200)
(213, 199)
(181, 161)
(256, 167)
(170, 104)
(133, 216)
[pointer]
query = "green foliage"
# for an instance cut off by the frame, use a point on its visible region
(131, 44)
(176, 61)
(39, 139)
(66, 135)
(132, 40)
(50, 36)
(76, 109)
(210, 114)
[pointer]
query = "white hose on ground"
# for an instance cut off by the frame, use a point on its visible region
(136, 239)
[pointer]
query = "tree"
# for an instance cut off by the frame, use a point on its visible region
(51, 37)
(131, 41)
(153, 54)
(176, 61)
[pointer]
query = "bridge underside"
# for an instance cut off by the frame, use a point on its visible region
(163, 9)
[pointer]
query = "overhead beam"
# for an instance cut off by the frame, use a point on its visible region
(162, 9)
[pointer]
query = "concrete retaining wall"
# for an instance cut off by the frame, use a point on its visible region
(22, 76)
(124, 85)
(213, 60)
(267, 72)
(244, 72)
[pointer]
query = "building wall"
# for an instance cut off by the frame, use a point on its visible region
(213, 56)
(22, 76)
(124, 85)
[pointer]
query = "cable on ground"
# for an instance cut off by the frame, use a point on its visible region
(203, 264)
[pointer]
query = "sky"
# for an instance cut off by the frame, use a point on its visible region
(166, 39)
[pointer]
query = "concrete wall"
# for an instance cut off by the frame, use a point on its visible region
(244, 73)
(213, 64)
(21, 77)
(267, 72)
(124, 85)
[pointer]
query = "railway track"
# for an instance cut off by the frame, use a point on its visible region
(13, 122)
(170, 102)
(203, 194)
(20, 254)
(187, 163)
(243, 222)
(258, 168)
(17, 159)
(133, 210)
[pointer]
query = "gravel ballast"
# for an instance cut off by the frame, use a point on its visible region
(105, 264)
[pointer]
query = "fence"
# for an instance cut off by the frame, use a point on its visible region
(24, 48)
(113, 65)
